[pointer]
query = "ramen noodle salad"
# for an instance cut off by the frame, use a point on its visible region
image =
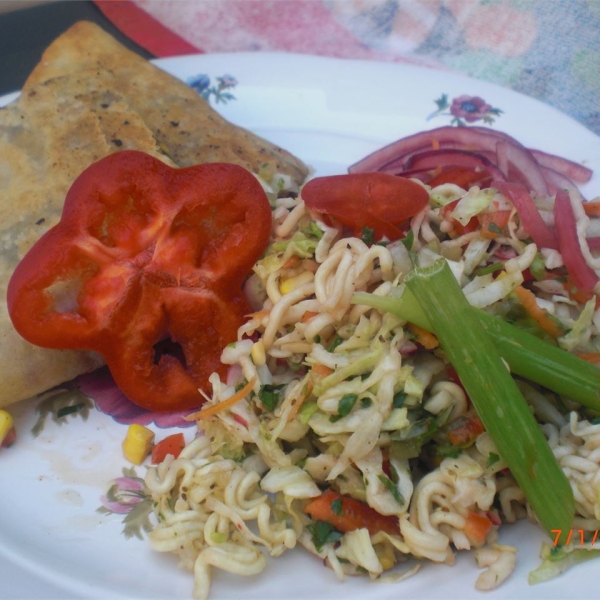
(329, 399)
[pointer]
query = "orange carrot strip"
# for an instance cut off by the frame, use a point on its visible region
(216, 408)
(350, 515)
(498, 220)
(308, 315)
(578, 295)
(424, 337)
(477, 527)
(465, 429)
(291, 262)
(300, 401)
(592, 209)
(539, 315)
(323, 370)
(591, 357)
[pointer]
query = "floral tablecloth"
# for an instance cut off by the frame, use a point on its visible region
(547, 49)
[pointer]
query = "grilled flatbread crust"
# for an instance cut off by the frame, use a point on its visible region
(47, 137)
(186, 127)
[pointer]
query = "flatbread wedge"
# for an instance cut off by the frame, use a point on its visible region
(88, 97)
(47, 137)
(186, 127)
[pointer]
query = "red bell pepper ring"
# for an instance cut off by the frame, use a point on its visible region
(377, 201)
(146, 267)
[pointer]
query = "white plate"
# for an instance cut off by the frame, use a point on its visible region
(330, 112)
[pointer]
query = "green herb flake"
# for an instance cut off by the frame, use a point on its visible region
(323, 533)
(493, 458)
(336, 506)
(399, 399)
(489, 269)
(365, 402)
(269, 395)
(335, 342)
(347, 404)
(391, 487)
(368, 236)
(408, 240)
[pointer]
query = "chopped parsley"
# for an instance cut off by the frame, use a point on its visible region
(408, 240)
(336, 506)
(392, 488)
(323, 533)
(347, 404)
(368, 236)
(270, 395)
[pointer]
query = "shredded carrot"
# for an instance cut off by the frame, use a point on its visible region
(539, 315)
(579, 295)
(292, 261)
(323, 370)
(307, 392)
(477, 527)
(350, 514)
(435, 145)
(591, 357)
(592, 209)
(216, 408)
(308, 315)
(423, 337)
(465, 429)
(493, 224)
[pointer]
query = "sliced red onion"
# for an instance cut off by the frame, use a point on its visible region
(580, 273)
(593, 243)
(530, 216)
(569, 169)
(557, 181)
(457, 158)
(521, 164)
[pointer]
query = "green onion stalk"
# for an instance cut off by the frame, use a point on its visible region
(476, 350)
(528, 356)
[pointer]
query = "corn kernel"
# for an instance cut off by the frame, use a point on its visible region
(291, 283)
(137, 443)
(6, 424)
(385, 554)
(258, 354)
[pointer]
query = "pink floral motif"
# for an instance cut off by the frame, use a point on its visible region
(129, 496)
(465, 109)
(470, 108)
(100, 386)
(124, 494)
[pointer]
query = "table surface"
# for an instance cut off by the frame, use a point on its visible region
(27, 32)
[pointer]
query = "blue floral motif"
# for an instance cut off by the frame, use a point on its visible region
(202, 84)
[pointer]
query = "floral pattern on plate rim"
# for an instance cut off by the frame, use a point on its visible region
(218, 92)
(465, 109)
(129, 496)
